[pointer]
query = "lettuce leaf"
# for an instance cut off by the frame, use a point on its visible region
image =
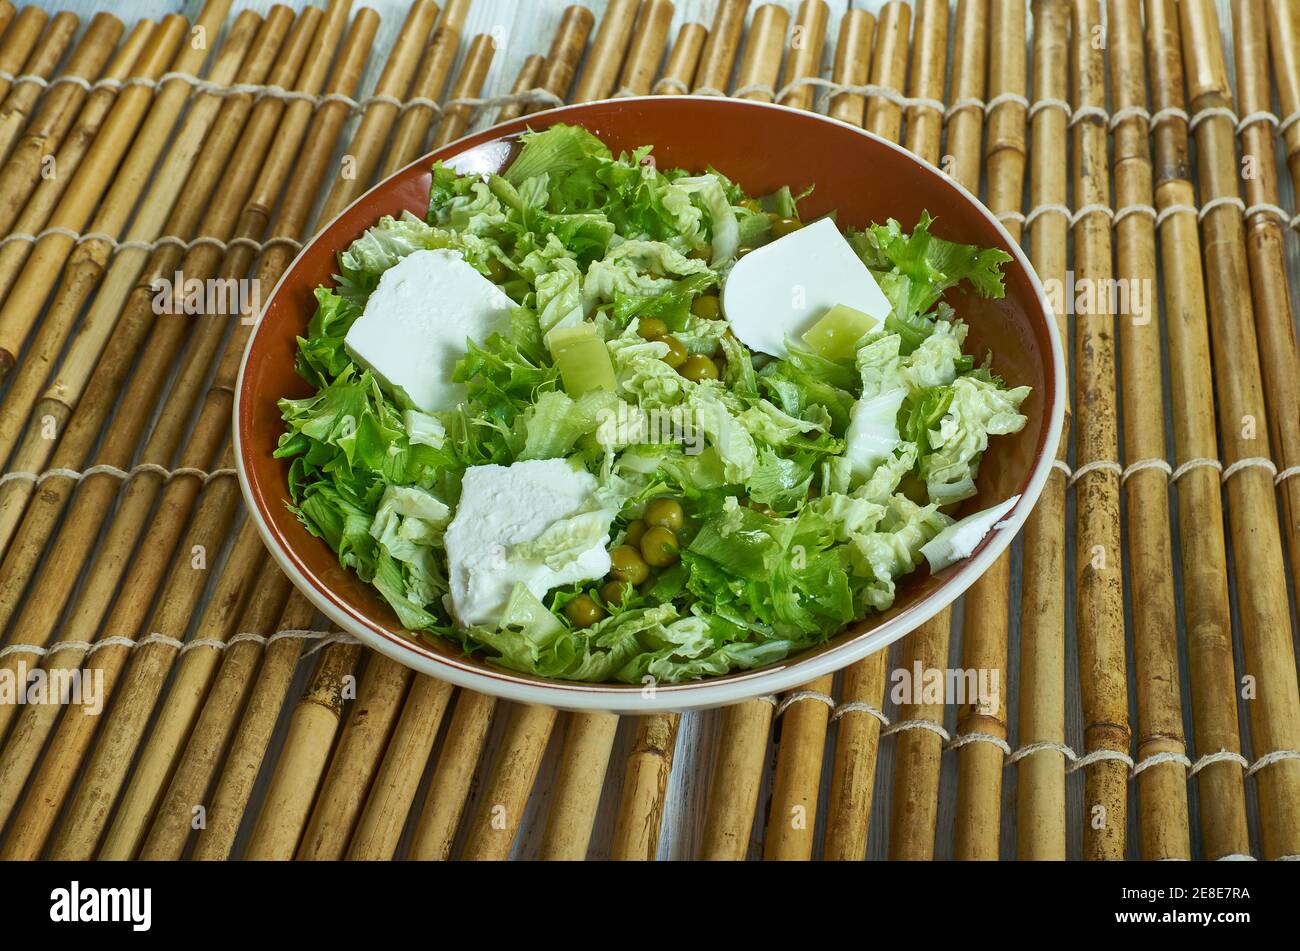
(791, 471)
(553, 152)
(977, 410)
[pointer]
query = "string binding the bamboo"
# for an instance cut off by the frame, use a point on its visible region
(529, 97)
(539, 96)
(76, 475)
(323, 638)
(79, 237)
(1077, 762)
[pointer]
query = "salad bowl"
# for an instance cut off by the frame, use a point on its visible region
(761, 147)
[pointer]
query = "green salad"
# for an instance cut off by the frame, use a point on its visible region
(562, 422)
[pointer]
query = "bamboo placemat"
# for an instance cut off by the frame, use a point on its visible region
(1141, 625)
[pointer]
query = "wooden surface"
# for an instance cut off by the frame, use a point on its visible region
(523, 28)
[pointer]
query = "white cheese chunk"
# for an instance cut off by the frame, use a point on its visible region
(502, 507)
(960, 539)
(416, 322)
(782, 288)
(873, 431)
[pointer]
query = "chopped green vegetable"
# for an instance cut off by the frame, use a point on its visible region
(768, 493)
(837, 332)
(583, 359)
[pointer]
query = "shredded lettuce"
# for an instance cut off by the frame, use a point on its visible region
(810, 486)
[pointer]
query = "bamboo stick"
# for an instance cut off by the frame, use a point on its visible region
(649, 40)
(1098, 583)
(28, 271)
(430, 82)
(576, 788)
(473, 73)
(645, 784)
(986, 605)
(355, 762)
(852, 65)
(1004, 146)
(530, 75)
(565, 51)
(187, 792)
(918, 751)
(1040, 777)
(683, 60)
(395, 785)
(301, 765)
(59, 105)
(857, 737)
(183, 701)
(228, 799)
(792, 821)
(1266, 246)
(1220, 785)
(1256, 541)
(72, 543)
(268, 46)
(89, 259)
(35, 627)
(761, 64)
(178, 498)
(970, 60)
(267, 591)
(929, 57)
(1284, 43)
(366, 149)
(505, 795)
(74, 734)
(720, 48)
(807, 43)
(52, 148)
(22, 34)
(7, 12)
(453, 775)
(101, 36)
(1162, 787)
(40, 139)
(737, 776)
(106, 769)
(193, 148)
(889, 67)
(608, 47)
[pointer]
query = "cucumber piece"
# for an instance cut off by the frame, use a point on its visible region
(834, 336)
(582, 358)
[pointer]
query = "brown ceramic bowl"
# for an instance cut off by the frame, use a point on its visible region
(762, 147)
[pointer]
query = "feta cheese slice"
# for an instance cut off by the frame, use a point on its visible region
(502, 508)
(960, 539)
(415, 324)
(780, 289)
